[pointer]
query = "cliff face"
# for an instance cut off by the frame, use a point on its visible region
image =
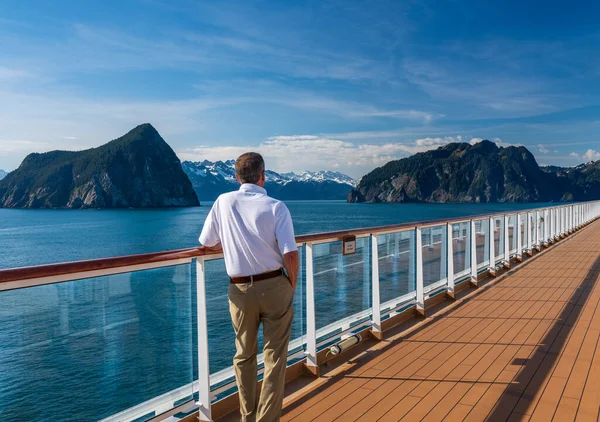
(136, 170)
(461, 172)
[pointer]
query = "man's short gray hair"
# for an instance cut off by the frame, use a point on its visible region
(249, 167)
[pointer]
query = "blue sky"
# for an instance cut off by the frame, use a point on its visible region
(312, 85)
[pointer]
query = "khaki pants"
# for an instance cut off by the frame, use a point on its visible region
(270, 302)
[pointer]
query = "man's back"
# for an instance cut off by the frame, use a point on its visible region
(254, 229)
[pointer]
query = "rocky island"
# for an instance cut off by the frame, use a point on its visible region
(137, 170)
(483, 172)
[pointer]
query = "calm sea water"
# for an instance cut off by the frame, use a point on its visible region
(88, 349)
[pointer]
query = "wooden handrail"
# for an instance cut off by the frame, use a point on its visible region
(40, 271)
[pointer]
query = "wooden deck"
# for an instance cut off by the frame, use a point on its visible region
(523, 347)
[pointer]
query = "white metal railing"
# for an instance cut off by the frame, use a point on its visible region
(530, 230)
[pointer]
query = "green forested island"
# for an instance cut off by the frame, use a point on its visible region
(483, 172)
(136, 170)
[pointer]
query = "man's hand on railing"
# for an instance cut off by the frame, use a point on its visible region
(291, 262)
(217, 248)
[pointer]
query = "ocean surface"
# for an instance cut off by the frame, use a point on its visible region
(85, 350)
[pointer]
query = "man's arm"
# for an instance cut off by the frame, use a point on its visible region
(284, 231)
(291, 261)
(216, 248)
(209, 238)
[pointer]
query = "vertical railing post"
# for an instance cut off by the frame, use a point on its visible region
(473, 240)
(546, 225)
(311, 323)
(491, 240)
(450, 260)
(519, 236)
(204, 396)
(537, 230)
(506, 241)
(376, 300)
(528, 244)
(419, 273)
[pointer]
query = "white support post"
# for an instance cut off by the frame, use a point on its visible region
(419, 272)
(529, 243)
(473, 240)
(311, 323)
(376, 300)
(537, 231)
(492, 263)
(506, 242)
(204, 396)
(546, 235)
(450, 260)
(519, 236)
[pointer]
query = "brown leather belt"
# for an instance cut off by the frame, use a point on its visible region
(258, 277)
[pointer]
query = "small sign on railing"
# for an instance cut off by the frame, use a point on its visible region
(348, 245)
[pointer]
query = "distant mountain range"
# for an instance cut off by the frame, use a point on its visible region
(484, 172)
(2, 174)
(210, 179)
(136, 170)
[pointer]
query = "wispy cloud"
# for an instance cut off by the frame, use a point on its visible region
(497, 141)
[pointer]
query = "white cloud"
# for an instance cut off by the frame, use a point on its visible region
(310, 152)
(499, 142)
(23, 147)
(574, 155)
(543, 149)
(9, 146)
(591, 155)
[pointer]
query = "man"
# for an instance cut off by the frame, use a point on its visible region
(256, 235)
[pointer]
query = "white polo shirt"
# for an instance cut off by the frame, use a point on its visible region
(254, 230)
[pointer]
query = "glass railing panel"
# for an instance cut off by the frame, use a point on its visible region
(532, 228)
(342, 283)
(88, 349)
(499, 237)
(512, 233)
(396, 265)
(482, 233)
(434, 254)
(461, 248)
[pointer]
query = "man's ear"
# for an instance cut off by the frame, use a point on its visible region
(238, 179)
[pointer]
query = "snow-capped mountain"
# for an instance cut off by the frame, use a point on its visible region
(210, 179)
(2, 174)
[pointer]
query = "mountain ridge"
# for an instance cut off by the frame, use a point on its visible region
(210, 179)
